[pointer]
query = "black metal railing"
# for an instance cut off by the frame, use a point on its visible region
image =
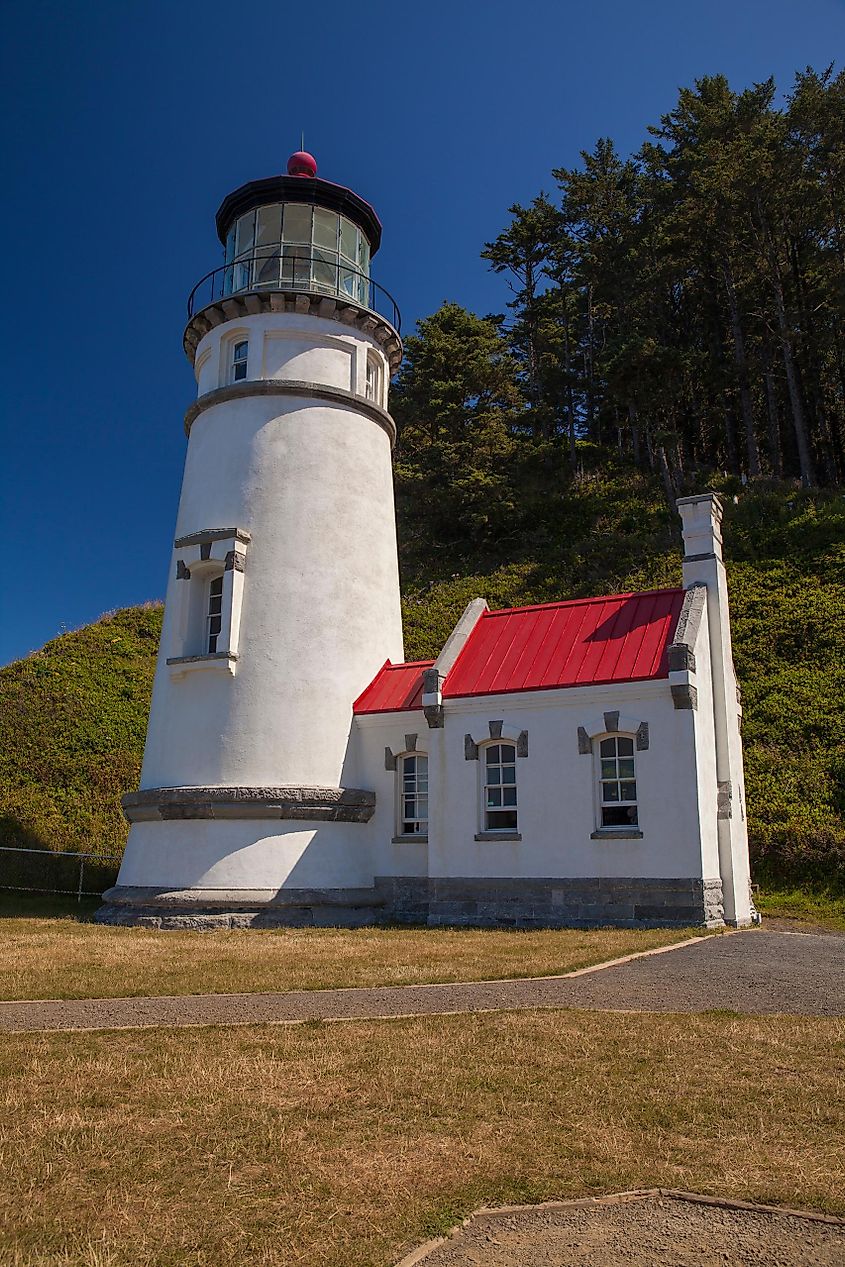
(293, 268)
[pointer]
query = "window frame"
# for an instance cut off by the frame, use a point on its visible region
(373, 379)
(402, 833)
(504, 829)
(237, 362)
(603, 777)
(213, 596)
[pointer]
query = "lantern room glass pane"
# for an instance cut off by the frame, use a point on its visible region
(325, 270)
(267, 265)
(363, 254)
(268, 231)
(230, 245)
(245, 233)
(297, 226)
(349, 240)
(325, 228)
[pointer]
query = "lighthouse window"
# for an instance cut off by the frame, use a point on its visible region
(240, 356)
(373, 379)
(214, 616)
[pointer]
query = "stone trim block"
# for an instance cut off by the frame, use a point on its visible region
(470, 748)
(495, 728)
(183, 573)
(207, 535)
(724, 800)
(410, 743)
(389, 759)
(684, 695)
(611, 721)
(642, 737)
(235, 561)
(306, 804)
(585, 743)
(305, 303)
(680, 653)
(199, 659)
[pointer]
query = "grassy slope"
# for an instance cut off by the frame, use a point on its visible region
(72, 715)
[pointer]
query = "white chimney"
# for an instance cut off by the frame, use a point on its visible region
(701, 519)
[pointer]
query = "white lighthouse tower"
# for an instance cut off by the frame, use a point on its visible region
(283, 594)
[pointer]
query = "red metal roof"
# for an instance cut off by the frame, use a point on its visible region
(394, 688)
(583, 642)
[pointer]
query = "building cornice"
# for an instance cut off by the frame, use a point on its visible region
(291, 387)
(305, 804)
(305, 303)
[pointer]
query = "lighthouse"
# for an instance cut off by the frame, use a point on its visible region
(283, 591)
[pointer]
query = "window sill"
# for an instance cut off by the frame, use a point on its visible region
(186, 663)
(498, 835)
(617, 833)
(414, 839)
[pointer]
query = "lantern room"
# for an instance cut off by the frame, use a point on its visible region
(296, 232)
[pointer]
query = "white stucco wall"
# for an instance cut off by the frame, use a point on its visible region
(247, 854)
(290, 346)
(557, 789)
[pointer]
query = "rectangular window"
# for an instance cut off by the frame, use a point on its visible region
(617, 784)
(413, 795)
(373, 379)
(214, 615)
(500, 787)
(240, 356)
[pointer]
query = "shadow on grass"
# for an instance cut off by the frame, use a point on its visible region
(48, 906)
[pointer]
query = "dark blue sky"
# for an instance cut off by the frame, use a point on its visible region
(124, 124)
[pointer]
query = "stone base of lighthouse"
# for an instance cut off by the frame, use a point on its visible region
(211, 857)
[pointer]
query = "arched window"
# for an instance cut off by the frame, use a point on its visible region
(412, 773)
(617, 782)
(240, 358)
(499, 787)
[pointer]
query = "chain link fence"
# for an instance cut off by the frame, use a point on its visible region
(45, 871)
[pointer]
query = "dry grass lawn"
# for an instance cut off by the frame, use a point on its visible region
(60, 957)
(339, 1145)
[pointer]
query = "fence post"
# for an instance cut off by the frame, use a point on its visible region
(81, 869)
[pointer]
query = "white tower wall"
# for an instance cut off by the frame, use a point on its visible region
(311, 482)
(248, 786)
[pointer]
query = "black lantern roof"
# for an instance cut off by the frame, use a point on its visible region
(309, 189)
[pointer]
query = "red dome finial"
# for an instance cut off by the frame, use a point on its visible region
(302, 164)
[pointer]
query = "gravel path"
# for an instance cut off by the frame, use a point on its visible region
(621, 1232)
(753, 972)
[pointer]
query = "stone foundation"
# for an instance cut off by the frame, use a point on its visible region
(420, 900)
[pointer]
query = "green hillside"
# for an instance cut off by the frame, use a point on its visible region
(72, 716)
